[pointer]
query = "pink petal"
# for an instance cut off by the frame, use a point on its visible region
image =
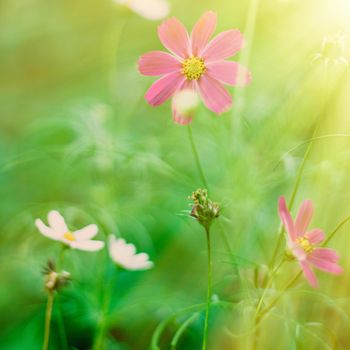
(326, 254)
(228, 72)
(173, 35)
(308, 273)
(224, 45)
(325, 265)
(315, 236)
(202, 32)
(158, 63)
(164, 88)
(214, 95)
(303, 218)
(286, 218)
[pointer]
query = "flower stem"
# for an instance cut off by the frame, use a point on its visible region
(196, 157)
(61, 257)
(261, 300)
(102, 326)
(274, 302)
(181, 329)
(48, 314)
(61, 327)
(205, 331)
(339, 226)
(162, 325)
(260, 303)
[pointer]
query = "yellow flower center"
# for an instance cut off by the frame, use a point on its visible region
(193, 68)
(305, 244)
(69, 236)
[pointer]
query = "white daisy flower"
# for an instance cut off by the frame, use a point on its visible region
(149, 9)
(58, 231)
(124, 255)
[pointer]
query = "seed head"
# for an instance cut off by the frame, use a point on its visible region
(54, 280)
(204, 210)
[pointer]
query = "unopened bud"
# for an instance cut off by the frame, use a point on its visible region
(186, 101)
(55, 280)
(204, 210)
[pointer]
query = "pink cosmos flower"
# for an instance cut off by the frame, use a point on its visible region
(195, 63)
(302, 243)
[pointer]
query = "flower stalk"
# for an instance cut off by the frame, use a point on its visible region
(103, 319)
(196, 157)
(48, 314)
(209, 287)
(268, 285)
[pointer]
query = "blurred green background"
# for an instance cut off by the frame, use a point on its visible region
(76, 135)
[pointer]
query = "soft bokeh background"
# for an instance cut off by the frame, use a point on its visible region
(77, 135)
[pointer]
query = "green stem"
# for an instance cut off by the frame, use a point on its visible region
(60, 322)
(260, 303)
(339, 226)
(206, 320)
(261, 300)
(48, 314)
(60, 259)
(102, 326)
(196, 157)
(274, 302)
(162, 325)
(181, 329)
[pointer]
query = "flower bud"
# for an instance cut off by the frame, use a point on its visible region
(55, 280)
(185, 103)
(204, 210)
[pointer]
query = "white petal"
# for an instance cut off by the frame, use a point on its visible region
(86, 232)
(56, 221)
(141, 257)
(124, 251)
(87, 245)
(128, 250)
(46, 231)
(150, 9)
(123, 254)
(116, 247)
(140, 265)
(112, 247)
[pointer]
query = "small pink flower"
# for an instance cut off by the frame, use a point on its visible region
(302, 243)
(195, 63)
